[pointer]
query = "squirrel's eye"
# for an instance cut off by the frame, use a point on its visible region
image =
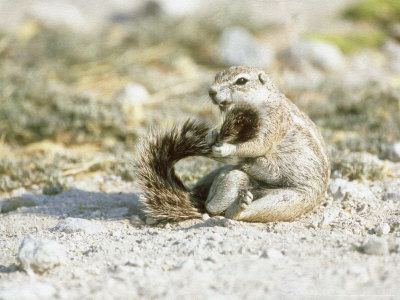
(241, 81)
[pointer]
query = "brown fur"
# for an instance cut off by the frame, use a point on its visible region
(165, 197)
(280, 170)
(242, 124)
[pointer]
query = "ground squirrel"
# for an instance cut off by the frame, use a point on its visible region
(277, 166)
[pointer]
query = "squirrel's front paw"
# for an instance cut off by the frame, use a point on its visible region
(224, 150)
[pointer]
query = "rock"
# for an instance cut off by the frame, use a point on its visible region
(136, 221)
(393, 152)
(382, 228)
(342, 189)
(15, 203)
(376, 246)
(27, 291)
(205, 217)
(39, 255)
(132, 94)
(272, 254)
(70, 225)
(320, 55)
(238, 47)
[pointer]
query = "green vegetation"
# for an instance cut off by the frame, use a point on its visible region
(382, 12)
(352, 42)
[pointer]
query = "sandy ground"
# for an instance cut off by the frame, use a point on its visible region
(349, 247)
(320, 255)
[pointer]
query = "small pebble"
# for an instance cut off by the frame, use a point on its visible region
(205, 217)
(136, 221)
(272, 253)
(39, 255)
(382, 229)
(376, 246)
(70, 225)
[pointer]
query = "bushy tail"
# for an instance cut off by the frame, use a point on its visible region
(165, 197)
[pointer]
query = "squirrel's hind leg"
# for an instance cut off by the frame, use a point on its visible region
(201, 189)
(227, 187)
(276, 205)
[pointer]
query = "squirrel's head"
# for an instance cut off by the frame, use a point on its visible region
(240, 84)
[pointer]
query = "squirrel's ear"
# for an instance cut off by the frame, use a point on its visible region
(262, 77)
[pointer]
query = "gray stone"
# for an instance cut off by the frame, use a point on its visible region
(317, 54)
(376, 246)
(70, 225)
(238, 47)
(39, 255)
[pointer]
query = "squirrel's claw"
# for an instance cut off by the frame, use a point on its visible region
(224, 150)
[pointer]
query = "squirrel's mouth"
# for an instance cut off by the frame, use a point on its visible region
(224, 107)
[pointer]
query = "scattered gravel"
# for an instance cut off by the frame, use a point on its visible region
(70, 225)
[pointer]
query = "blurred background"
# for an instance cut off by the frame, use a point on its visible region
(82, 81)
